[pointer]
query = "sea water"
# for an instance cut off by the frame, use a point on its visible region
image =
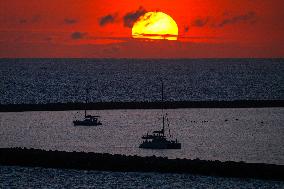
(66, 80)
(21, 177)
(250, 135)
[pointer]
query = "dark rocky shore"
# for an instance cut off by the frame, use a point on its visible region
(108, 162)
(141, 105)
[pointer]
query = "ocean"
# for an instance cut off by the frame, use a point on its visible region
(253, 135)
(125, 80)
(21, 177)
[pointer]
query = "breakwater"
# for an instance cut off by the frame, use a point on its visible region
(141, 105)
(109, 162)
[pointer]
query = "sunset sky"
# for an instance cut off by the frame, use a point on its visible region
(102, 28)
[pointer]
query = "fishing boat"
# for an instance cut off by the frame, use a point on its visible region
(89, 120)
(158, 139)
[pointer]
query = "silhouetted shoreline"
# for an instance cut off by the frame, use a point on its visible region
(108, 162)
(141, 105)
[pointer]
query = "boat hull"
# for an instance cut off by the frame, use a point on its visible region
(84, 123)
(160, 145)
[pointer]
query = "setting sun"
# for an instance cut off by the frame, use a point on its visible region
(155, 25)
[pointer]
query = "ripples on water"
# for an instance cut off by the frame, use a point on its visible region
(250, 135)
(65, 80)
(19, 177)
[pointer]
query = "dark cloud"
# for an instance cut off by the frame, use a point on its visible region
(130, 18)
(70, 21)
(108, 19)
(32, 20)
(249, 17)
(160, 36)
(78, 35)
(200, 22)
(186, 29)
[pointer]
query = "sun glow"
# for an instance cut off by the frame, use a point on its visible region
(155, 25)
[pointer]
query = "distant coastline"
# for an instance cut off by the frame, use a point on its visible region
(141, 105)
(109, 162)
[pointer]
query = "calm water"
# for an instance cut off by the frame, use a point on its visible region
(18, 177)
(65, 80)
(250, 135)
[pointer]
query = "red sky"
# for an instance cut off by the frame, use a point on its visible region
(102, 28)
